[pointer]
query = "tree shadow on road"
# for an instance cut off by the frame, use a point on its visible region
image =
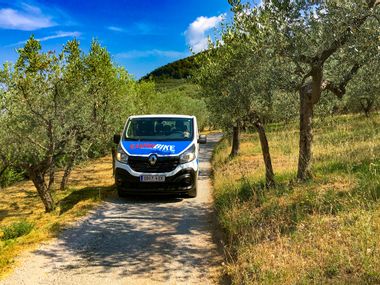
(87, 193)
(141, 239)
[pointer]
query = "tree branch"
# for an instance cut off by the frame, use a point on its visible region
(34, 142)
(340, 89)
(306, 76)
(340, 41)
(30, 105)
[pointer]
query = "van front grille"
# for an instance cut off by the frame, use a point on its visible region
(163, 164)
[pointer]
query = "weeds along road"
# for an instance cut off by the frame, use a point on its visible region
(134, 241)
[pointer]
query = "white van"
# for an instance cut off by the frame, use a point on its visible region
(158, 154)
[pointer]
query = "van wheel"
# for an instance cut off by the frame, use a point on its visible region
(121, 193)
(192, 193)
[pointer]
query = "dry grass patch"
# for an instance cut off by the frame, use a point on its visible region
(325, 231)
(88, 185)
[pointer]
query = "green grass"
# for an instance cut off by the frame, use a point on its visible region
(16, 230)
(325, 231)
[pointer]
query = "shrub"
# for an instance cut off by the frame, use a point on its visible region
(10, 176)
(16, 230)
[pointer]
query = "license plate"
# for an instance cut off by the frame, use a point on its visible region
(152, 178)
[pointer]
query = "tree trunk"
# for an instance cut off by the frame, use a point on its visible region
(269, 174)
(2, 172)
(310, 94)
(66, 174)
(113, 151)
(366, 104)
(306, 136)
(235, 140)
(51, 177)
(4, 167)
(43, 191)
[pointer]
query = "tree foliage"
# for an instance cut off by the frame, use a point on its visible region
(363, 95)
(319, 45)
(238, 83)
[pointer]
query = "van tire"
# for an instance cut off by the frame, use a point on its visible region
(121, 193)
(192, 193)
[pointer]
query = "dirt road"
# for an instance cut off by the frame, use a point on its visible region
(134, 241)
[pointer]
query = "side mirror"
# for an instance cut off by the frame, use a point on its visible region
(202, 139)
(116, 139)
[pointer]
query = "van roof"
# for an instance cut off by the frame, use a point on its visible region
(162, 116)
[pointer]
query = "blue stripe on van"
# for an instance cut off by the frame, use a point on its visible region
(157, 147)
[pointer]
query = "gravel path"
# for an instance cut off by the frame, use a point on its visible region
(134, 241)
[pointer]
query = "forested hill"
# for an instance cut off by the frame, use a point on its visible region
(180, 69)
(175, 76)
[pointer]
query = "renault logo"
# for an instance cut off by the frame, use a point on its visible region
(152, 159)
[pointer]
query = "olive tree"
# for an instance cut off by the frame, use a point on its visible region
(57, 109)
(35, 135)
(99, 92)
(78, 114)
(110, 89)
(238, 82)
(323, 45)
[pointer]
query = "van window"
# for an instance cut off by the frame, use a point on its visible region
(160, 129)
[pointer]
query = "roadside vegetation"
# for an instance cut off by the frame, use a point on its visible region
(325, 231)
(314, 50)
(297, 175)
(24, 223)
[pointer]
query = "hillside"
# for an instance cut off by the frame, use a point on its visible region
(175, 76)
(180, 69)
(325, 231)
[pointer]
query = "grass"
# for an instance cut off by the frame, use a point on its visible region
(24, 224)
(325, 231)
(16, 230)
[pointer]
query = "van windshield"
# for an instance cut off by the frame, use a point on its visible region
(160, 129)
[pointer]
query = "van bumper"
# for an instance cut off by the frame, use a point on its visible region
(182, 180)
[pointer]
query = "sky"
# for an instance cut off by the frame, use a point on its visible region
(140, 35)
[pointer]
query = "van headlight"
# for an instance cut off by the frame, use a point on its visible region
(121, 156)
(188, 155)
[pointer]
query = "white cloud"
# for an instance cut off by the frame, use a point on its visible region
(57, 35)
(60, 34)
(153, 52)
(29, 18)
(30, 9)
(137, 28)
(115, 29)
(196, 33)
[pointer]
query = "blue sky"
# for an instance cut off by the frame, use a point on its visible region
(141, 35)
